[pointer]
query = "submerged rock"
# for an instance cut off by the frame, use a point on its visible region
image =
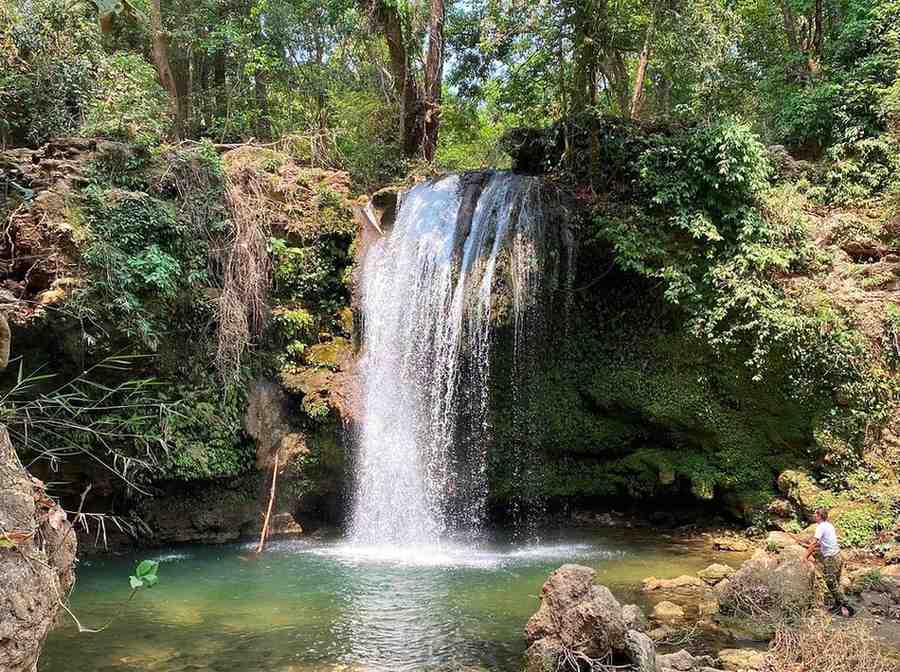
(682, 583)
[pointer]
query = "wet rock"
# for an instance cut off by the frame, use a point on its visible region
(728, 543)
(267, 421)
(741, 660)
(634, 618)
(575, 614)
(715, 573)
(641, 651)
(284, 524)
(683, 582)
(668, 612)
(37, 562)
(682, 661)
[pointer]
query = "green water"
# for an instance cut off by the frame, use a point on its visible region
(314, 605)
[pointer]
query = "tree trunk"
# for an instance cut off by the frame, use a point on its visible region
(221, 92)
(434, 76)
(261, 91)
(161, 56)
(637, 96)
(405, 85)
(181, 71)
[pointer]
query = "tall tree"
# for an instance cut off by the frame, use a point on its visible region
(419, 92)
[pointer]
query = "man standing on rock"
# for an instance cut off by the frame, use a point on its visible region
(824, 546)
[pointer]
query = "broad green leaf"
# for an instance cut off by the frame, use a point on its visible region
(146, 567)
(135, 582)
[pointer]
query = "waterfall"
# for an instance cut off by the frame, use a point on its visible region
(465, 253)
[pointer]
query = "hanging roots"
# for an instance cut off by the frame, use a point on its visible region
(247, 273)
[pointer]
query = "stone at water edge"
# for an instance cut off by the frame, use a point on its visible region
(735, 544)
(781, 542)
(682, 661)
(683, 582)
(741, 660)
(31, 579)
(668, 612)
(641, 651)
(634, 618)
(578, 613)
(715, 573)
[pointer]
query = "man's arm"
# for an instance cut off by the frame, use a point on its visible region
(811, 549)
(802, 539)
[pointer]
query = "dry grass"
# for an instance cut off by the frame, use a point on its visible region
(817, 645)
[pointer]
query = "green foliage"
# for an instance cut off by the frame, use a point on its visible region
(48, 58)
(203, 434)
(858, 526)
(145, 575)
(890, 336)
(130, 105)
(142, 261)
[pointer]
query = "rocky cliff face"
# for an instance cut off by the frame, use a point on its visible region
(37, 562)
(113, 249)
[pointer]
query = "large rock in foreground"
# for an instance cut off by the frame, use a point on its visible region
(37, 560)
(575, 615)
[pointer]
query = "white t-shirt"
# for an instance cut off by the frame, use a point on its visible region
(827, 537)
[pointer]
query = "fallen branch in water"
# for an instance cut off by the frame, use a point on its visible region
(265, 529)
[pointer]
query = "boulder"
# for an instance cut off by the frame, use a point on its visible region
(741, 660)
(634, 618)
(641, 651)
(668, 612)
(771, 584)
(682, 661)
(37, 562)
(731, 543)
(784, 544)
(715, 573)
(680, 583)
(576, 614)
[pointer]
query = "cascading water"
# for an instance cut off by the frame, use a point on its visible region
(431, 291)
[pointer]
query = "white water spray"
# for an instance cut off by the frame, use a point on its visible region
(432, 289)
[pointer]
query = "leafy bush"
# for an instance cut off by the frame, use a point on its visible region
(132, 106)
(204, 434)
(49, 55)
(142, 260)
